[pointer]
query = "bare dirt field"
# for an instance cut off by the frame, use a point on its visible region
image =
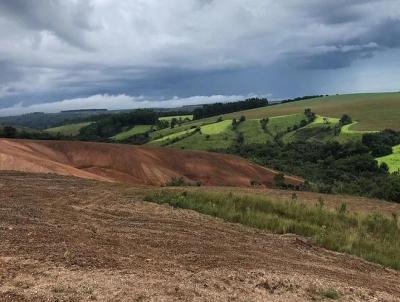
(131, 164)
(69, 239)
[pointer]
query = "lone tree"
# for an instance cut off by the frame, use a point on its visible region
(264, 123)
(345, 120)
(174, 122)
(240, 139)
(310, 115)
(9, 131)
(279, 180)
(234, 124)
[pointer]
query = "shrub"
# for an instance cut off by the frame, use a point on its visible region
(279, 180)
(176, 182)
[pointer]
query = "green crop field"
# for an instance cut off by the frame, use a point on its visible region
(253, 133)
(200, 141)
(70, 129)
(311, 132)
(370, 113)
(326, 120)
(279, 124)
(179, 128)
(217, 135)
(216, 128)
(172, 136)
(392, 160)
(373, 111)
(183, 117)
(319, 130)
(139, 129)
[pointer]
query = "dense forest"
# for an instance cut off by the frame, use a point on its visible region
(223, 108)
(115, 123)
(331, 167)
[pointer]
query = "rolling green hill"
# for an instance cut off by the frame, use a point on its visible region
(369, 112)
(70, 129)
(139, 129)
(373, 111)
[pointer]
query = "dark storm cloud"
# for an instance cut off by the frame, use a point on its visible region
(67, 20)
(342, 53)
(64, 49)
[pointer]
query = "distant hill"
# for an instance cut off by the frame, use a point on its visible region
(373, 111)
(41, 120)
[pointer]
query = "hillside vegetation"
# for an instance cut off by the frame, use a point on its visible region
(69, 129)
(139, 129)
(373, 237)
(373, 111)
(392, 160)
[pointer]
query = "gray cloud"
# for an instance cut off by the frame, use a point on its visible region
(68, 20)
(59, 49)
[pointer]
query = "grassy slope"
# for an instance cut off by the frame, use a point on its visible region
(252, 132)
(375, 111)
(201, 142)
(71, 129)
(279, 124)
(371, 111)
(220, 134)
(319, 130)
(392, 160)
(167, 131)
(131, 132)
(216, 128)
(372, 237)
(164, 140)
(214, 136)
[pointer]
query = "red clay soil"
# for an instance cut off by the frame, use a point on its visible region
(131, 164)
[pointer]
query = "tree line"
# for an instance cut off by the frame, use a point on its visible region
(223, 108)
(115, 123)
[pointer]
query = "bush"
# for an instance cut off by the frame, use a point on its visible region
(345, 120)
(279, 180)
(176, 182)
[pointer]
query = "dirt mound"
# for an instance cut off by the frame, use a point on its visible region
(68, 239)
(130, 164)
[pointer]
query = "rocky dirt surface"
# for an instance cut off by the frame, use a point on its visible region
(131, 164)
(68, 239)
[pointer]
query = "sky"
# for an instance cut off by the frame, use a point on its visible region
(80, 54)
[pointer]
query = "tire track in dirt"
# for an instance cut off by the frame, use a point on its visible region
(77, 240)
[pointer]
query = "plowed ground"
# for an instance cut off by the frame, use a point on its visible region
(68, 239)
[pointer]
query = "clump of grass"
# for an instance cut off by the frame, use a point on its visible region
(373, 237)
(331, 293)
(180, 182)
(318, 294)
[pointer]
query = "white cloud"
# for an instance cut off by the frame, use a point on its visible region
(115, 102)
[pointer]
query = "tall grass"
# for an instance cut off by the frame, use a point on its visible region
(373, 237)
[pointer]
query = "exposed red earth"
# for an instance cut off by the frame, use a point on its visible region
(131, 164)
